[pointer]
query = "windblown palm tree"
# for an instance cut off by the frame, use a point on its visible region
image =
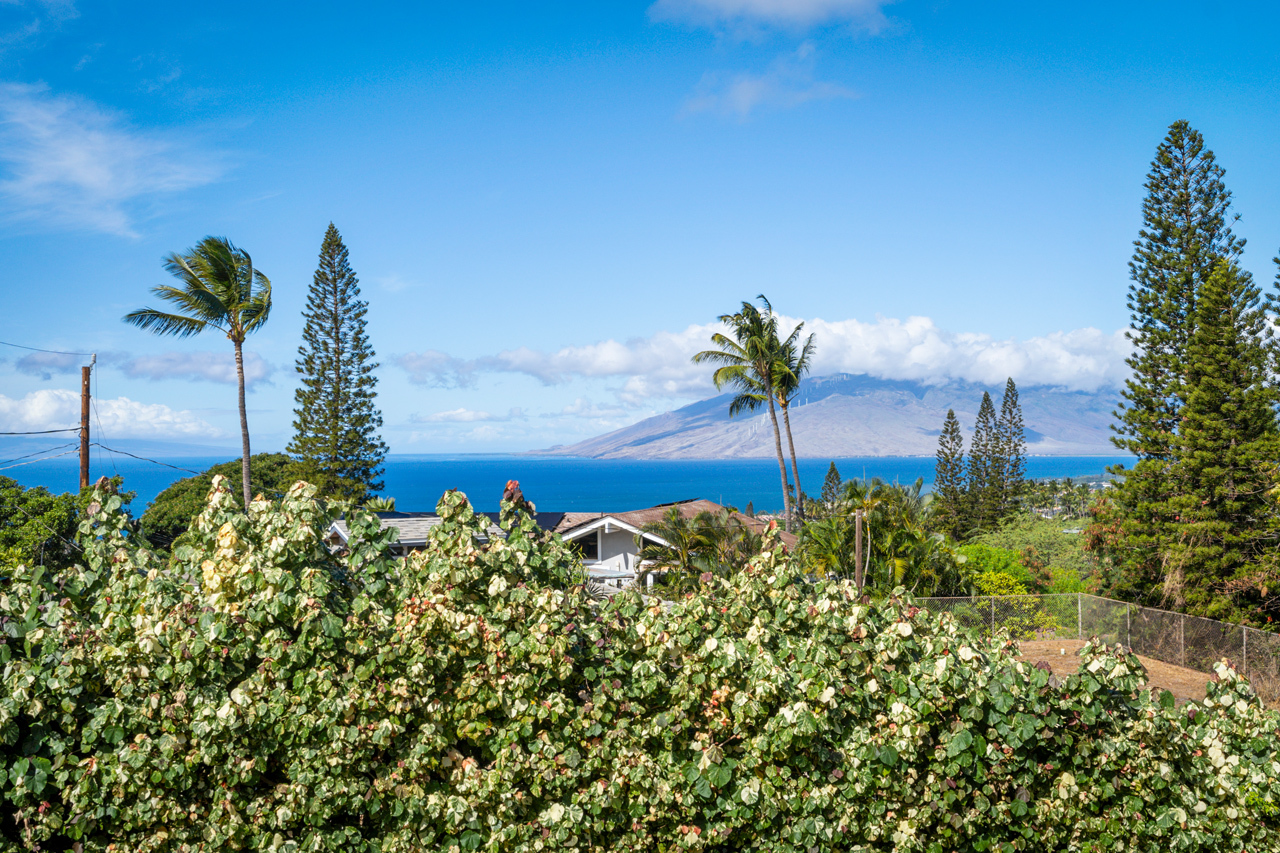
(220, 290)
(749, 363)
(794, 360)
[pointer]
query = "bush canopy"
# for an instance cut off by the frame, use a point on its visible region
(257, 692)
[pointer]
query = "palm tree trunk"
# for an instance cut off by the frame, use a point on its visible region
(795, 471)
(244, 428)
(782, 466)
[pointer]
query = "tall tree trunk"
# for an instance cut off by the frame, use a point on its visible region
(795, 470)
(782, 466)
(244, 428)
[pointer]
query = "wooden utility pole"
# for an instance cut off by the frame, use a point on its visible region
(85, 373)
(857, 550)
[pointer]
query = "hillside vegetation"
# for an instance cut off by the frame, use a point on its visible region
(256, 692)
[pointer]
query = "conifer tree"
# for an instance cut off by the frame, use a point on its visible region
(1227, 447)
(336, 441)
(1186, 229)
(950, 505)
(1013, 450)
(986, 469)
(831, 488)
(1186, 219)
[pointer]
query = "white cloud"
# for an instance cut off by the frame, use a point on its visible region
(659, 366)
(66, 162)
(117, 418)
(788, 82)
(794, 14)
(207, 366)
(46, 364)
(437, 369)
(584, 408)
(915, 348)
(466, 416)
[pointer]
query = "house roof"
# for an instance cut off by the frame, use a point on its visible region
(638, 518)
(414, 526)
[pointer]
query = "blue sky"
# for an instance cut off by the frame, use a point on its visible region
(549, 203)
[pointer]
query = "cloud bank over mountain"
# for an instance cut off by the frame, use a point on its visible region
(916, 349)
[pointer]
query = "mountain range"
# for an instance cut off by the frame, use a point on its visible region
(845, 415)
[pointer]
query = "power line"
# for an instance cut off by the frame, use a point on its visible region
(145, 459)
(35, 520)
(275, 492)
(42, 431)
(45, 459)
(51, 351)
(38, 453)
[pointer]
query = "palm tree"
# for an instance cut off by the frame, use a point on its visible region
(220, 290)
(794, 361)
(749, 362)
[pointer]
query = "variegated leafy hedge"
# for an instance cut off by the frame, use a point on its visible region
(257, 693)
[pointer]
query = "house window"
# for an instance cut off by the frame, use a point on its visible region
(589, 545)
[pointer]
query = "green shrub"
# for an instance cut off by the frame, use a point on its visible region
(168, 516)
(260, 694)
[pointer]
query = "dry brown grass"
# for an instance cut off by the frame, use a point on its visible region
(1061, 655)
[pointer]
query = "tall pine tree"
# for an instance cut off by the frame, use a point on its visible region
(1013, 450)
(1227, 446)
(336, 423)
(986, 469)
(950, 505)
(1186, 230)
(831, 489)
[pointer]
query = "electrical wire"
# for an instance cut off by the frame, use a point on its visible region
(145, 459)
(34, 461)
(93, 401)
(42, 431)
(38, 452)
(35, 520)
(51, 351)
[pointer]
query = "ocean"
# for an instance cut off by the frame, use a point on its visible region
(557, 484)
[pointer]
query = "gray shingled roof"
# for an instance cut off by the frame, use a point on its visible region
(413, 527)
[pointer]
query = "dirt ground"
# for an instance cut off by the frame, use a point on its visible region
(1185, 684)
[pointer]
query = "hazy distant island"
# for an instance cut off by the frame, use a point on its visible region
(844, 415)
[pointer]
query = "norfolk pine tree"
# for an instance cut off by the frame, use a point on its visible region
(336, 441)
(1227, 447)
(831, 489)
(950, 499)
(986, 470)
(1186, 230)
(1013, 450)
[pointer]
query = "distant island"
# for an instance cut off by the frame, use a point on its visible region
(857, 415)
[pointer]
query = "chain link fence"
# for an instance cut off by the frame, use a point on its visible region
(1174, 638)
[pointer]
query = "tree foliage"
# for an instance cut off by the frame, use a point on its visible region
(1012, 451)
(36, 526)
(269, 695)
(950, 489)
(336, 418)
(1227, 447)
(169, 515)
(1186, 230)
(1191, 525)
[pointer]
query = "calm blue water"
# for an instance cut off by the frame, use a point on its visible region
(559, 484)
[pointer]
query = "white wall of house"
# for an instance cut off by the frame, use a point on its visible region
(615, 543)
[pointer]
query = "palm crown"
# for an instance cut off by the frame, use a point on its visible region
(220, 290)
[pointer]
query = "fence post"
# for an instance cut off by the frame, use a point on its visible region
(1244, 650)
(1079, 615)
(1182, 640)
(993, 615)
(1128, 628)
